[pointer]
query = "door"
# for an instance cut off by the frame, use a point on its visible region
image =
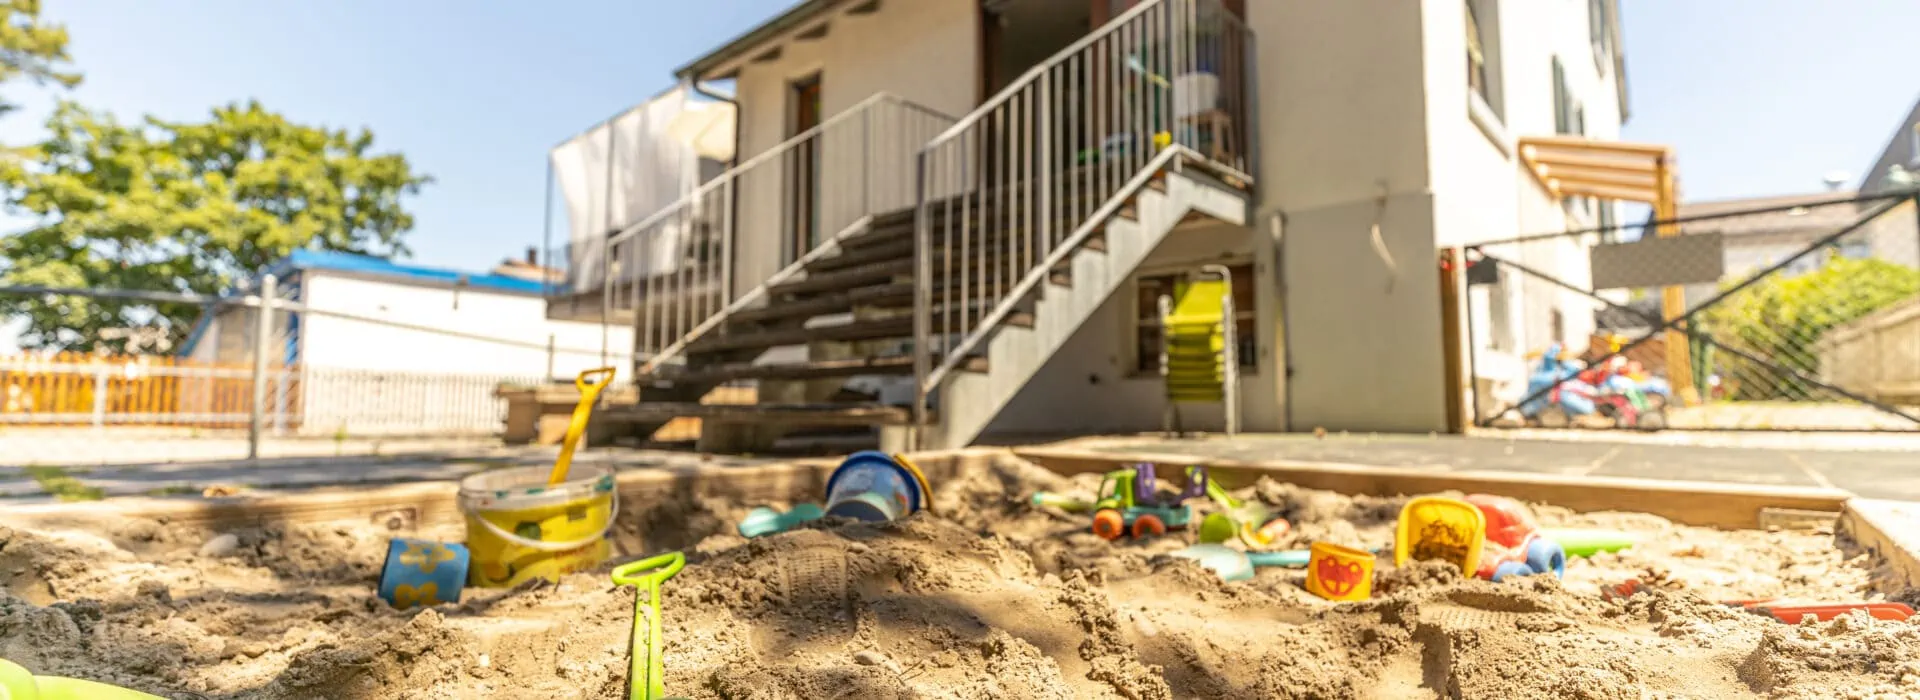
(803, 194)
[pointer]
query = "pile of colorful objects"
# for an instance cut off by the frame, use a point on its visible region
(1490, 537)
(1614, 392)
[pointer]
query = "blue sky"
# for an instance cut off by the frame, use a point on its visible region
(1759, 96)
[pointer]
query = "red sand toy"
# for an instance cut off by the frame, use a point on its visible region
(1514, 545)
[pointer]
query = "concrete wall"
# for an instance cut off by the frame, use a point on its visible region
(1090, 385)
(353, 344)
(925, 51)
(1366, 120)
(1341, 126)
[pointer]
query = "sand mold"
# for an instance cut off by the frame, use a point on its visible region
(989, 598)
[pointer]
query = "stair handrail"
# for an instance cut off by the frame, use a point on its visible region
(702, 195)
(1177, 36)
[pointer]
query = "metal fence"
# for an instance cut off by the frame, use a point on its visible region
(1793, 317)
(246, 372)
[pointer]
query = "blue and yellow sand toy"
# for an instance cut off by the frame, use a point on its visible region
(423, 572)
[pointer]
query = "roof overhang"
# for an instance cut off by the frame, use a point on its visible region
(805, 21)
(1579, 167)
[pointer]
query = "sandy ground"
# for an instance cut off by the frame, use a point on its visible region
(989, 598)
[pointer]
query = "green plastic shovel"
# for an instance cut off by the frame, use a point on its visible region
(1234, 565)
(647, 678)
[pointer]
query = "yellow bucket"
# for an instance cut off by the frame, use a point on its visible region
(519, 528)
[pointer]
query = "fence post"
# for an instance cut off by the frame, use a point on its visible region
(99, 394)
(262, 336)
(280, 380)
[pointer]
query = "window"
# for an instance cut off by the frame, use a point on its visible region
(1148, 291)
(1600, 33)
(1562, 100)
(1483, 52)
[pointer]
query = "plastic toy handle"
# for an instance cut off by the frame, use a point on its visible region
(646, 674)
(1063, 502)
(1291, 557)
(660, 567)
(589, 392)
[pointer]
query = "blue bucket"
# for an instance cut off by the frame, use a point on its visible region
(874, 487)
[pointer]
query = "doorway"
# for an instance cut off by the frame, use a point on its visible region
(803, 195)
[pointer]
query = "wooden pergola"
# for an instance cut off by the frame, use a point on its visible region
(1633, 172)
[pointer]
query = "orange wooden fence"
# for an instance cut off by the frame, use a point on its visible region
(81, 389)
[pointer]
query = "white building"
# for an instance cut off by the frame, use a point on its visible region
(381, 347)
(1329, 151)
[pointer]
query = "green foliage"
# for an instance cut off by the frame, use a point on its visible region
(184, 207)
(32, 49)
(63, 485)
(1782, 319)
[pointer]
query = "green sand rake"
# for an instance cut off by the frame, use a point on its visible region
(646, 679)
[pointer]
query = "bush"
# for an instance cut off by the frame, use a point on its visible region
(1781, 319)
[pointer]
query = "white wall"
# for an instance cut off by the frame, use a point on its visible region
(1483, 191)
(353, 344)
(925, 51)
(1342, 131)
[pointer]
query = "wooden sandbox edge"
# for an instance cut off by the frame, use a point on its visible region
(1705, 504)
(405, 507)
(1890, 530)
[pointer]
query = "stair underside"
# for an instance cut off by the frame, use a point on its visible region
(826, 414)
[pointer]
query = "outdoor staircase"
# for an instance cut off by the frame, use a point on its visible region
(1017, 233)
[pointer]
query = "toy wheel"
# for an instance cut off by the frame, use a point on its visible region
(1553, 417)
(1109, 524)
(1147, 525)
(1510, 569)
(1653, 420)
(1546, 556)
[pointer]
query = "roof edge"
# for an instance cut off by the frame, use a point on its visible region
(733, 48)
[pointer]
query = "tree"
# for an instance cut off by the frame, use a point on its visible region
(190, 207)
(31, 49)
(1782, 319)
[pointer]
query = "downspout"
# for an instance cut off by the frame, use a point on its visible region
(694, 85)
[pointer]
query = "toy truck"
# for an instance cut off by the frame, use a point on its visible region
(1128, 504)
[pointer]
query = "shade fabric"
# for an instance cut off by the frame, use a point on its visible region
(624, 170)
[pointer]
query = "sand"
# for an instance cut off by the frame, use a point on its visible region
(986, 598)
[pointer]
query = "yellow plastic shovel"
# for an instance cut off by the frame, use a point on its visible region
(589, 392)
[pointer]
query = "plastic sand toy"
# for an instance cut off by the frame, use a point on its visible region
(646, 675)
(869, 486)
(1339, 573)
(1447, 529)
(17, 683)
(1234, 565)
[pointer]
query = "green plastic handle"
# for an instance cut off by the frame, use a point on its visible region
(1290, 557)
(1586, 543)
(646, 675)
(1071, 505)
(17, 683)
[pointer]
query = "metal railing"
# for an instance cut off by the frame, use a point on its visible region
(677, 271)
(1023, 181)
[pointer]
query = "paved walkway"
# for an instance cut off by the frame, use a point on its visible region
(1874, 473)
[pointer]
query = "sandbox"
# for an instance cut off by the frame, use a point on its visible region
(985, 597)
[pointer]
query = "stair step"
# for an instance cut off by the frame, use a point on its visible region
(878, 329)
(820, 369)
(824, 414)
(887, 270)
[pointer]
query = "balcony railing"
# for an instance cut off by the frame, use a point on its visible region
(1022, 182)
(678, 273)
